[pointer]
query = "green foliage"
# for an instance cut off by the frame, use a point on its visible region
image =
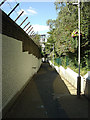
(67, 62)
(61, 29)
(36, 39)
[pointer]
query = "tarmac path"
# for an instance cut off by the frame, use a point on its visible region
(47, 96)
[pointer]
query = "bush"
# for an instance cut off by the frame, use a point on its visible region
(67, 62)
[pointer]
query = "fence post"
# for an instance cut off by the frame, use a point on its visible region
(13, 9)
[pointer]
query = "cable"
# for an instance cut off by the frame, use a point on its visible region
(17, 12)
(20, 10)
(9, 4)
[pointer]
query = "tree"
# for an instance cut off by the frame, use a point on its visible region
(36, 39)
(64, 25)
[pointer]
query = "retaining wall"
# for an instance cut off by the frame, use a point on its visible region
(71, 76)
(0, 76)
(20, 60)
(17, 68)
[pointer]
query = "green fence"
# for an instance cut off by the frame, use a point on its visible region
(62, 61)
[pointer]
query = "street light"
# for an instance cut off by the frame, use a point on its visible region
(79, 77)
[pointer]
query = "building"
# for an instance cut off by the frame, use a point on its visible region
(43, 40)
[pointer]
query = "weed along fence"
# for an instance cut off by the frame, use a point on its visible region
(21, 59)
(71, 77)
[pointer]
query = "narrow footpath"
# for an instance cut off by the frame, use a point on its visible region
(47, 96)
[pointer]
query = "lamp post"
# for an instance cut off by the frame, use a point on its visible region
(79, 77)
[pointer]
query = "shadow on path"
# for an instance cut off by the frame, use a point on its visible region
(50, 85)
(43, 97)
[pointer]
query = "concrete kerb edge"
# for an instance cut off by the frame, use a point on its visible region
(63, 73)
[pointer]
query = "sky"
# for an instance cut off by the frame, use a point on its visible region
(37, 12)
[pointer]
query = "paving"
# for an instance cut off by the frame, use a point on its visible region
(49, 96)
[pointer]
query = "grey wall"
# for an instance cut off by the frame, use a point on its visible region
(18, 55)
(16, 68)
(0, 75)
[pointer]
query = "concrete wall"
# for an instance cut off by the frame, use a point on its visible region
(17, 68)
(0, 76)
(87, 86)
(71, 76)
